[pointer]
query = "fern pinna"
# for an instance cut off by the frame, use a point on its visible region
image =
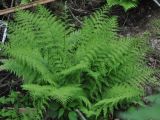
(126, 4)
(90, 69)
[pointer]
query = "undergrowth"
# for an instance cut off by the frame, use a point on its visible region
(71, 73)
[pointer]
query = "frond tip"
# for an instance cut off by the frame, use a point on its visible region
(118, 94)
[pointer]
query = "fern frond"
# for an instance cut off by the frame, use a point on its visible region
(44, 35)
(33, 59)
(62, 95)
(16, 67)
(116, 95)
(126, 4)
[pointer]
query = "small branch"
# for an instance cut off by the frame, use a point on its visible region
(25, 6)
(21, 110)
(75, 17)
(80, 114)
(4, 26)
(157, 2)
(10, 7)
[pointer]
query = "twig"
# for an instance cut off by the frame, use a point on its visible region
(10, 7)
(3, 25)
(22, 110)
(4, 78)
(75, 17)
(4, 34)
(80, 114)
(22, 7)
(157, 2)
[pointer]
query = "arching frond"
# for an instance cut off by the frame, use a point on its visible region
(118, 94)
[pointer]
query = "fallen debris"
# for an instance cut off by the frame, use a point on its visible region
(22, 7)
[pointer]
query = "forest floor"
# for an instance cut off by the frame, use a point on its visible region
(138, 21)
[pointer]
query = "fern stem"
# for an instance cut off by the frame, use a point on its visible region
(80, 114)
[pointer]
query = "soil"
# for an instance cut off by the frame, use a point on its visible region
(137, 19)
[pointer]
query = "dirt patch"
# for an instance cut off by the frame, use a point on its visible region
(136, 20)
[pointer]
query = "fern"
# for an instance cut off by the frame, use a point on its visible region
(63, 95)
(90, 69)
(126, 4)
(114, 96)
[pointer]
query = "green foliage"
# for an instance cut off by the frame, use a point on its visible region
(90, 69)
(25, 1)
(11, 105)
(115, 96)
(126, 4)
(9, 113)
(62, 95)
(147, 112)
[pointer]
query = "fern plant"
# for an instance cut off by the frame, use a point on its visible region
(90, 69)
